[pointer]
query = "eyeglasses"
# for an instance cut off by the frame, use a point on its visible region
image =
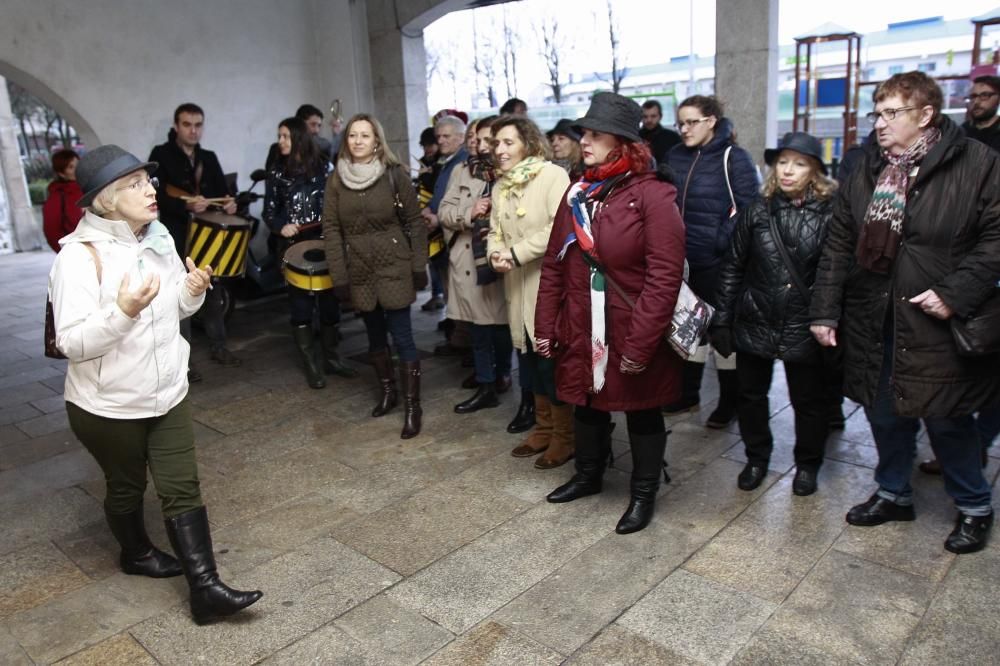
(887, 114)
(975, 97)
(140, 185)
(689, 124)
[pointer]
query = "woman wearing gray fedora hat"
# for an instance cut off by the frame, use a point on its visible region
(610, 279)
(118, 291)
(762, 299)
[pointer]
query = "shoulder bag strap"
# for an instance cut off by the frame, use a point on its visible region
(783, 251)
(729, 185)
(97, 259)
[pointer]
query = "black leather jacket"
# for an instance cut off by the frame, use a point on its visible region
(756, 294)
(293, 199)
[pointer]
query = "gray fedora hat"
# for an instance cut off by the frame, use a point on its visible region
(564, 127)
(613, 114)
(102, 166)
(800, 142)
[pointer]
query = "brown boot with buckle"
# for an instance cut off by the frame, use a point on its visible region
(387, 382)
(538, 440)
(409, 374)
(562, 445)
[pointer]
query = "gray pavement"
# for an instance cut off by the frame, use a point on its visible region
(442, 549)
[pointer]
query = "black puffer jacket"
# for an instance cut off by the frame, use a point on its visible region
(756, 295)
(951, 244)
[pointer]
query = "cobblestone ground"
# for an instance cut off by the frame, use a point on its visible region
(441, 549)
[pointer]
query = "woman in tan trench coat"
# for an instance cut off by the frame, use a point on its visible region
(379, 253)
(476, 296)
(524, 203)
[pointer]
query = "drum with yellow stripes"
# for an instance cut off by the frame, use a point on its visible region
(220, 241)
(305, 266)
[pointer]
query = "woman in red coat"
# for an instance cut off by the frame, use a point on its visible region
(619, 224)
(60, 214)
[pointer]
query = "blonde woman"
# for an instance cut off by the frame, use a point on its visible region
(524, 203)
(763, 307)
(377, 255)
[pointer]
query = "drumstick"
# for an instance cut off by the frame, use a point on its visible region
(210, 201)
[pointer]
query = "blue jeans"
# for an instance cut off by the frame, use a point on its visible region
(491, 350)
(380, 323)
(954, 440)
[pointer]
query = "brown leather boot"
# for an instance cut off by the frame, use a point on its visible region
(409, 375)
(383, 371)
(562, 445)
(538, 440)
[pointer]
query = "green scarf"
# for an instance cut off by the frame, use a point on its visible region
(520, 175)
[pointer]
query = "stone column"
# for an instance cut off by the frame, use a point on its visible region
(399, 79)
(746, 70)
(19, 232)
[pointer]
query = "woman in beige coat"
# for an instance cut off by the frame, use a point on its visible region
(524, 203)
(474, 294)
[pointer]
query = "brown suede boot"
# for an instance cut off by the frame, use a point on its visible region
(562, 445)
(538, 440)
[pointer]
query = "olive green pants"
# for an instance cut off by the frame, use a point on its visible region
(125, 448)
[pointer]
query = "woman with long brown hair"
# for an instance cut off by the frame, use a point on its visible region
(376, 250)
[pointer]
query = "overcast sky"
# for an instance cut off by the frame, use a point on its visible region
(652, 31)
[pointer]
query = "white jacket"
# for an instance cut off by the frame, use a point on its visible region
(119, 367)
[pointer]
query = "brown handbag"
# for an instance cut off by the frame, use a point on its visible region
(51, 350)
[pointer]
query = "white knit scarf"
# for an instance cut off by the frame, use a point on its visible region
(358, 175)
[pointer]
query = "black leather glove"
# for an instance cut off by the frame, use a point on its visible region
(342, 292)
(721, 338)
(420, 280)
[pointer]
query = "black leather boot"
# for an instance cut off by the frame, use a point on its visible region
(729, 395)
(383, 371)
(525, 418)
(139, 557)
(485, 397)
(332, 365)
(647, 465)
(211, 599)
(691, 374)
(593, 448)
(304, 339)
(970, 535)
(409, 373)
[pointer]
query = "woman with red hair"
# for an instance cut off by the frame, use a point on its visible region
(610, 279)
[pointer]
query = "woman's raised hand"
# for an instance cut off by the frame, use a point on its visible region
(132, 303)
(481, 208)
(198, 279)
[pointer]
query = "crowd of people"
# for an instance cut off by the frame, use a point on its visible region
(570, 247)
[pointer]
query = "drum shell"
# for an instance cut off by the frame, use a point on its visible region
(306, 275)
(220, 241)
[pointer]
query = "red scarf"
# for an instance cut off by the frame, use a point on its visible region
(604, 171)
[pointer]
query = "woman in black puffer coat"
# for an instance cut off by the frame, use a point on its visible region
(763, 309)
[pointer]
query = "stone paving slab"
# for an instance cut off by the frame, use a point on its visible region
(375, 550)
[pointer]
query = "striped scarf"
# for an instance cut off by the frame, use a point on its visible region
(585, 199)
(882, 231)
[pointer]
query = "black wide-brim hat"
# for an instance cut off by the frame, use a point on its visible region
(102, 166)
(800, 142)
(564, 127)
(612, 113)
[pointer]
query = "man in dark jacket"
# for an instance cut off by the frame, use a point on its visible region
(659, 138)
(915, 240)
(185, 165)
(983, 123)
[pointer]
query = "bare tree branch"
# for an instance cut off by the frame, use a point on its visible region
(552, 49)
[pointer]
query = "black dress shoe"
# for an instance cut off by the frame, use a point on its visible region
(485, 397)
(805, 482)
(970, 534)
(751, 477)
(878, 510)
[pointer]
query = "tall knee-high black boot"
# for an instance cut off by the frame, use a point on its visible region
(593, 447)
(139, 557)
(211, 599)
(647, 465)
